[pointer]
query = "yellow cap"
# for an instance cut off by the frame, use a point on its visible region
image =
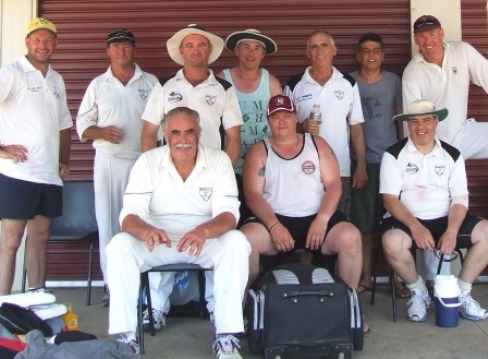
(41, 23)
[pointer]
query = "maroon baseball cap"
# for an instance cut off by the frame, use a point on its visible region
(280, 103)
(426, 23)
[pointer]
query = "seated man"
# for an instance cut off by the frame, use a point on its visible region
(424, 187)
(292, 185)
(180, 206)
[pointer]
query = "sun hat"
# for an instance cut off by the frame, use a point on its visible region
(250, 34)
(120, 35)
(173, 44)
(426, 23)
(41, 23)
(421, 107)
(280, 103)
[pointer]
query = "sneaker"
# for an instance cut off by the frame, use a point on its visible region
(471, 309)
(418, 305)
(106, 297)
(159, 320)
(132, 343)
(225, 347)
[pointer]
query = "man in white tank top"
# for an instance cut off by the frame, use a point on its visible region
(292, 185)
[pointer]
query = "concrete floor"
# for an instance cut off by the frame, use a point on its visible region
(191, 338)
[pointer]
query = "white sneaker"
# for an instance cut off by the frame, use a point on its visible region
(159, 320)
(131, 342)
(225, 347)
(418, 305)
(471, 309)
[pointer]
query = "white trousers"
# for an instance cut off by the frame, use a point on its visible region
(128, 257)
(472, 143)
(110, 178)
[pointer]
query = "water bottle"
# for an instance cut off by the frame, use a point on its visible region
(316, 115)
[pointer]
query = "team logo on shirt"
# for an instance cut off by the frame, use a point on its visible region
(210, 99)
(205, 193)
(175, 97)
(454, 70)
(339, 94)
(411, 168)
(143, 93)
(34, 89)
(308, 167)
(304, 98)
(439, 170)
(56, 92)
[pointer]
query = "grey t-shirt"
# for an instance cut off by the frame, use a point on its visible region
(379, 101)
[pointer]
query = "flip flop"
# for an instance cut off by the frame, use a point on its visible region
(362, 288)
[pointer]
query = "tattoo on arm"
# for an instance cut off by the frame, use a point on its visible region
(262, 171)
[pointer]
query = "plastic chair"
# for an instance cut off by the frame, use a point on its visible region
(392, 278)
(145, 285)
(78, 223)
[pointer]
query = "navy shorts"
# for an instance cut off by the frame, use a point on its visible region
(298, 227)
(437, 227)
(25, 200)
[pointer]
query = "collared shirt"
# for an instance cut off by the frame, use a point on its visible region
(426, 183)
(158, 195)
(340, 106)
(33, 109)
(107, 102)
(446, 86)
(217, 105)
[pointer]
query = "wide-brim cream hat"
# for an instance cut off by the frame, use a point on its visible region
(422, 107)
(251, 34)
(173, 44)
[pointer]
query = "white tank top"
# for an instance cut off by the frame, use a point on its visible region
(298, 179)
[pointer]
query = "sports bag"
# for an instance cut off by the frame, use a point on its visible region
(20, 320)
(301, 311)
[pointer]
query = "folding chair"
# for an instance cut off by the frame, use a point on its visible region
(78, 223)
(145, 285)
(392, 278)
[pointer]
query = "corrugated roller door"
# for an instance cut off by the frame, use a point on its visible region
(83, 26)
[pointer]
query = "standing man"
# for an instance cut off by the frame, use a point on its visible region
(424, 187)
(180, 206)
(196, 87)
(441, 72)
(254, 86)
(340, 106)
(381, 99)
(110, 115)
(35, 128)
(305, 165)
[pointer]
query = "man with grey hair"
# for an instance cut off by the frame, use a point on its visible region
(337, 95)
(180, 206)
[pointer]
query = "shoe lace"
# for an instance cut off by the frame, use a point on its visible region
(470, 304)
(227, 344)
(418, 301)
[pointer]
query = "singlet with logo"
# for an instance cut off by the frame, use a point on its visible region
(293, 187)
(253, 107)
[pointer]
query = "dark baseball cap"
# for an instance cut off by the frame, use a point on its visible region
(120, 35)
(280, 103)
(426, 23)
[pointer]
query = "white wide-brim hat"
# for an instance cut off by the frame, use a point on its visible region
(419, 108)
(174, 43)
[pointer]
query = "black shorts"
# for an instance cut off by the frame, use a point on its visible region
(437, 227)
(298, 227)
(24, 200)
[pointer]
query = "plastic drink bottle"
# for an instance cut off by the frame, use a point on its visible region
(316, 115)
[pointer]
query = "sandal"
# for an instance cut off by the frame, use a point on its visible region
(401, 290)
(363, 288)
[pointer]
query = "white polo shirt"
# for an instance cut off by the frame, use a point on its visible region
(157, 194)
(107, 102)
(214, 100)
(33, 109)
(425, 183)
(340, 106)
(446, 86)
